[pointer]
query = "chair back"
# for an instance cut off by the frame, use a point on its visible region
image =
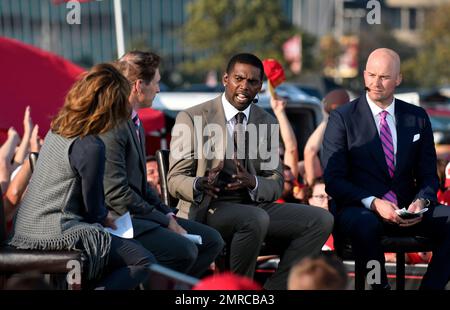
(162, 159)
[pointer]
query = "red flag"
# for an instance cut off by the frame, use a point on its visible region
(274, 72)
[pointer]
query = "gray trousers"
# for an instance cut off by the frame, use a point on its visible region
(295, 230)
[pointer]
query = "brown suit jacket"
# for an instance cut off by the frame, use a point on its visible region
(187, 161)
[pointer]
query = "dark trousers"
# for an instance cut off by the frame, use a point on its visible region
(128, 265)
(174, 251)
(364, 229)
(294, 230)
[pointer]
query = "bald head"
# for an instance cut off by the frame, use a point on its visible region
(334, 99)
(382, 76)
(385, 55)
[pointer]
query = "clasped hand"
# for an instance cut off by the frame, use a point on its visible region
(207, 183)
(386, 210)
(242, 178)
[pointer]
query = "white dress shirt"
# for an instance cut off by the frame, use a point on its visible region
(230, 113)
(390, 119)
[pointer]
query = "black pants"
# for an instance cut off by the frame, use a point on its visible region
(128, 265)
(365, 229)
(177, 252)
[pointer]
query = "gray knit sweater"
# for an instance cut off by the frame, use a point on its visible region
(49, 215)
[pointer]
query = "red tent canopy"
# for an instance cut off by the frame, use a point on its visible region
(30, 76)
(40, 79)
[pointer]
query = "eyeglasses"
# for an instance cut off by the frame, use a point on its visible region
(321, 197)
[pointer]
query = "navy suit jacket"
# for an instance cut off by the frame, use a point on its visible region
(355, 166)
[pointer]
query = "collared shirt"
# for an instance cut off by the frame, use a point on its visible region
(133, 115)
(230, 113)
(390, 119)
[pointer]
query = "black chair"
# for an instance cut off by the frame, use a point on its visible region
(162, 159)
(398, 245)
(222, 261)
(17, 261)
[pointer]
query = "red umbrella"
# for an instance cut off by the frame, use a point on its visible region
(41, 80)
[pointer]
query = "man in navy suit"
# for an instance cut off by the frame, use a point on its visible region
(379, 156)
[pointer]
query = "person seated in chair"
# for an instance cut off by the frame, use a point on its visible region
(379, 157)
(64, 206)
(231, 183)
(126, 188)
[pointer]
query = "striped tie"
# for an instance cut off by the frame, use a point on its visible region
(239, 138)
(137, 123)
(388, 148)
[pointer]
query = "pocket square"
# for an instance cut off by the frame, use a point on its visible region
(416, 137)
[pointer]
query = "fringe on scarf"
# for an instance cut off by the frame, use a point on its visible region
(92, 240)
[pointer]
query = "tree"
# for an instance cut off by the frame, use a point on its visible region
(217, 29)
(431, 65)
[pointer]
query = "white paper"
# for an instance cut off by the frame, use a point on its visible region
(124, 227)
(197, 239)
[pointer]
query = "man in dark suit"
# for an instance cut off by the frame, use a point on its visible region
(379, 156)
(240, 203)
(126, 187)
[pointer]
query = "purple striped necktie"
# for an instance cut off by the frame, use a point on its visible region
(388, 148)
(137, 123)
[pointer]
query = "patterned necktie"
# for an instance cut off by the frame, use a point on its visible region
(239, 137)
(388, 148)
(137, 123)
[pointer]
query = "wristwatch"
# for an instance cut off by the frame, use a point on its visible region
(427, 202)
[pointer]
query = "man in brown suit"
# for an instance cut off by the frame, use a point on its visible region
(225, 169)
